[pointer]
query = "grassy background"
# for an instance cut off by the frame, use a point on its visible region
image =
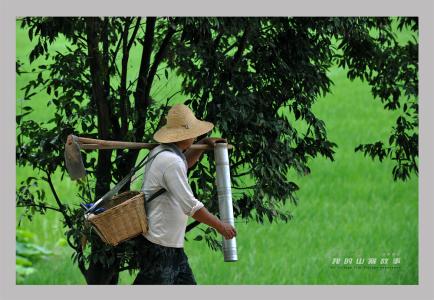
(348, 208)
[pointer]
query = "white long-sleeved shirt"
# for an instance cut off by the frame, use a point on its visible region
(168, 213)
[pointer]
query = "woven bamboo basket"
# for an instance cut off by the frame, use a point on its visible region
(123, 219)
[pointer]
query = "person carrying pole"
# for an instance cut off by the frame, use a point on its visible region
(162, 247)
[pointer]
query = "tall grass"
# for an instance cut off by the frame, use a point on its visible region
(348, 208)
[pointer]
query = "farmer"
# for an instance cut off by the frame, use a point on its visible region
(164, 260)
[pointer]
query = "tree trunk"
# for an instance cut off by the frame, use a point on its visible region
(103, 168)
(98, 273)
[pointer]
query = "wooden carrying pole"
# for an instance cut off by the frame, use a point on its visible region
(92, 144)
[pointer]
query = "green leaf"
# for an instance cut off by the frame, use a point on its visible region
(22, 261)
(27, 97)
(61, 243)
(24, 271)
(198, 238)
(24, 235)
(391, 139)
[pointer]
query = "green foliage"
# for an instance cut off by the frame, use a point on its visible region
(391, 70)
(239, 73)
(27, 252)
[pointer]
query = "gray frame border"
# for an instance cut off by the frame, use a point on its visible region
(9, 10)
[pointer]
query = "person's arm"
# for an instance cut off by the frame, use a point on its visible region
(193, 155)
(225, 229)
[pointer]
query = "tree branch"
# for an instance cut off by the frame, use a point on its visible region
(229, 48)
(158, 58)
(118, 45)
(241, 46)
(123, 83)
(206, 94)
(126, 47)
(62, 208)
(40, 206)
(97, 78)
(141, 101)
(244, 188)
(124, 268)
(242, 174)
(79, 252)
(106, 75)
(217, 40)
(103, 168)
(133, 36)
(163, 111)
(238, 163)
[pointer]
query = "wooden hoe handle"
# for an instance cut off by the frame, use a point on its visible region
(92, 144)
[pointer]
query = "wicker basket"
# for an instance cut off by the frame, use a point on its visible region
(124, 218)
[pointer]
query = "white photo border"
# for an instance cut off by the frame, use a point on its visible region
(10, 10)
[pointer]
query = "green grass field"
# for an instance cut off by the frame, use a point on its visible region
(348, 208)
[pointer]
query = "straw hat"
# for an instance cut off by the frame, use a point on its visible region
(181, 124)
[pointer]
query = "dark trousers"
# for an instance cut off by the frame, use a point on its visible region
(163, 265)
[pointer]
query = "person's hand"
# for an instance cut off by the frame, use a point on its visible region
(227, 230)
(69, 139)
(211, 141)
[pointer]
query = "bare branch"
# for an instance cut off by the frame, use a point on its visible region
(239, 163)
(158, 58)
(230, 48)
(62, 208)
(40, 206)
(118, 45)
(133, 36)
(141, 101)
(126, 47)
(242, 174)
(244, 188)
(106, 78)
(163, 111)
(123, 83)
(94, 57)
(79, 251)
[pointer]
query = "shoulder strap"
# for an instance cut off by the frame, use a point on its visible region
(121, 183)
(165, 147)
(160, 191)
(155, 195)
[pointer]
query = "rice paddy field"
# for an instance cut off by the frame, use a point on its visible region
(349, 209)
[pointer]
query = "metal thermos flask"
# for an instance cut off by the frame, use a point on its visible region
(223, 181)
